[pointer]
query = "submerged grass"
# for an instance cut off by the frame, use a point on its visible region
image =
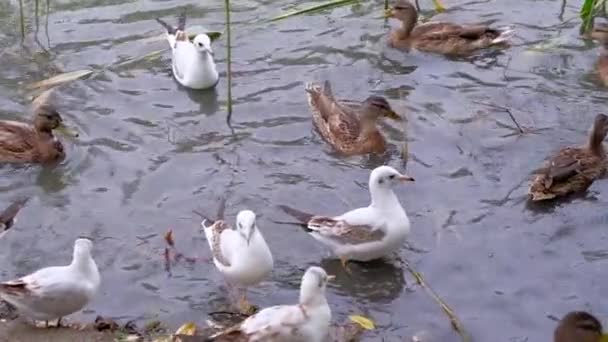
(454, 320)
(317, 8)
(339, 3)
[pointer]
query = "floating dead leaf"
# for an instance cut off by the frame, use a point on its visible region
(60, 79)
(169, 238)
(188, 329)
(364, 322)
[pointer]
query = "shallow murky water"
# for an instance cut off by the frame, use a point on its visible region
(150, 152)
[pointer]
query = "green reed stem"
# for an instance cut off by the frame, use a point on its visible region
(22, 20)
(229, 59)
(589, 10)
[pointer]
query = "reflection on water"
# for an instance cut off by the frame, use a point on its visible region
(150, 151)
(377, 281)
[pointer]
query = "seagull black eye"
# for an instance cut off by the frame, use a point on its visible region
(391, 177)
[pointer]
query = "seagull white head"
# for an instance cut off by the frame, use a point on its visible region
(82, 250)
(245, 224)
(312, 289)
(386, 176)
(203, 44)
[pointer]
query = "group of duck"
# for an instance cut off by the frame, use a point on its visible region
(240, 253)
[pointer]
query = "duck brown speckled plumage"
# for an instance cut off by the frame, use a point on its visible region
(573, 169)
(21, 142)
(441, 37)
(349, 129)
(600, 33)
(578, 326)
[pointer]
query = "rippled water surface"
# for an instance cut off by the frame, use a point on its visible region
(150, 152)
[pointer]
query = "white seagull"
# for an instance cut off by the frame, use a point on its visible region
(366, 233)
(193, 64)
(307, 321)
(240, 254)
(54, 292)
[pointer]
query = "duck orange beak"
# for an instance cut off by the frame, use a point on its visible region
(69, 131)
(405, 178)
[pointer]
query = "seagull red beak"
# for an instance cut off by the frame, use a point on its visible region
(405, 178)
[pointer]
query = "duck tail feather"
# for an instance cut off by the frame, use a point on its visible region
(506, 33)
(327, 89)
(301, 216)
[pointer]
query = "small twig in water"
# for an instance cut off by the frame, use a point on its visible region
(504, 71)
(506, 110)
(448, 311)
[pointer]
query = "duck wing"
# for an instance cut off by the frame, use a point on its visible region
(340, 231)
(16, 139)
(217, 235)
(571, 170)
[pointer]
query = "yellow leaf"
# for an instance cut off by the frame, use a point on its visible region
(188, 329)
(364, 322)
(61, 78)
(604, 338)
(438, 6)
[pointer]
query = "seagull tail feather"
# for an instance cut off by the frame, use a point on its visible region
(170, 29)
(301, 216)
(181, 21)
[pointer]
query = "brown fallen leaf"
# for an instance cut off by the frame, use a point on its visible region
(169, 238)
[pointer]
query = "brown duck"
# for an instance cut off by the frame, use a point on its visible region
(578, 326)
(349, 128)
(21, 142)
(9, 216)
(441, 37)
(573, 169)
(600, 32)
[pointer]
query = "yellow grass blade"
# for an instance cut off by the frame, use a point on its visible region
(438, 6)
(188, 328)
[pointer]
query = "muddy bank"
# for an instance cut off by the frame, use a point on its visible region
(15, 331)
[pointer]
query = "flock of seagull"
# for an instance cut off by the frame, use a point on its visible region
(241, 253)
